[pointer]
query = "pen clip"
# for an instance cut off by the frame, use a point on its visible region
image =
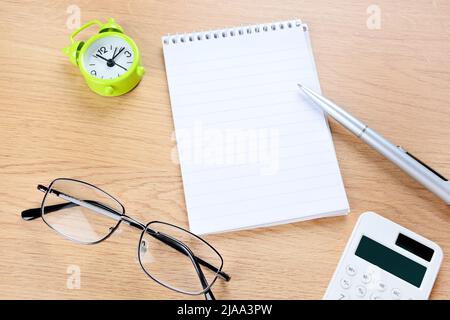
(423, 164)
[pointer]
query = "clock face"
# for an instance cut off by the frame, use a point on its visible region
(108, 57)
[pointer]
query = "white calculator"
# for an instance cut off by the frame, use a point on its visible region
(383, 260)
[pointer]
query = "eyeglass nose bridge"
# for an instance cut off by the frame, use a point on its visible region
(132, 222)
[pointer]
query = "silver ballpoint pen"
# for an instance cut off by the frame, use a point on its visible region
(417, 169)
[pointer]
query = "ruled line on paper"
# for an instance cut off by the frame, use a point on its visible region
(227, 178)
(216, 110)
(205, 169)
(268, 208)
(248, 199)
(262, 53)
(278, 93)
(181, 74)
(190, 83)
(240, 87)
(272, 184)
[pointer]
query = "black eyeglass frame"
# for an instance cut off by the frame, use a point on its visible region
(35, 213)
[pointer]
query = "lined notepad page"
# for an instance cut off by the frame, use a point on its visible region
(253, 150)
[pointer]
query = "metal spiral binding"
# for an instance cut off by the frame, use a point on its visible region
(231, 32)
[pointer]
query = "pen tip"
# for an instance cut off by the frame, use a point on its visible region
(300, 85)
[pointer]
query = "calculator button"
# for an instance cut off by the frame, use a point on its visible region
(366, 277)
(361, 291)
(396, 294)
(342, 296)
(351, 271)
(381, 286)
(345, 283)
(376, 296)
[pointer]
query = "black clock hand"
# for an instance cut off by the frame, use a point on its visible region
(114, 52)
(114, 56)
(120, 66)
(99, 56)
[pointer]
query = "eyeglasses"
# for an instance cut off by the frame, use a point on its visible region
(171, 256)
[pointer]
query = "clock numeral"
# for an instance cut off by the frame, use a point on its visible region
(127, 54)
(102, 50)
(93, 72)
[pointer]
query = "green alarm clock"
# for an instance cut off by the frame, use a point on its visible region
(109, 61)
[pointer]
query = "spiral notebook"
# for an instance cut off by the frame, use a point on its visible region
(253, 151)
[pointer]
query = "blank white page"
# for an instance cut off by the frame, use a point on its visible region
(253, 150)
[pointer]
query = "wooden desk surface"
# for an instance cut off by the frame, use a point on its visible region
(396, 78)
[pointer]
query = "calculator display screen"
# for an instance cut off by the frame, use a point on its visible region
(391, 261)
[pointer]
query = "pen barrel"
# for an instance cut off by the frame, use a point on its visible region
(350, 122)
(408, 164)
(353, 124)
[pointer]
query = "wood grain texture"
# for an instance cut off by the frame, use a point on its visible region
(395, 78)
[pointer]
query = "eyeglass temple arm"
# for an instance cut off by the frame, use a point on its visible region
(181, 247)
(34, 213)
(204, 263)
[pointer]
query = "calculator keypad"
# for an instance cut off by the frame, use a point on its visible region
(360, 291)
(345, 283)
(381, 286)
(366, 277)
(396, 294)
(350, 270)
(366, 284)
